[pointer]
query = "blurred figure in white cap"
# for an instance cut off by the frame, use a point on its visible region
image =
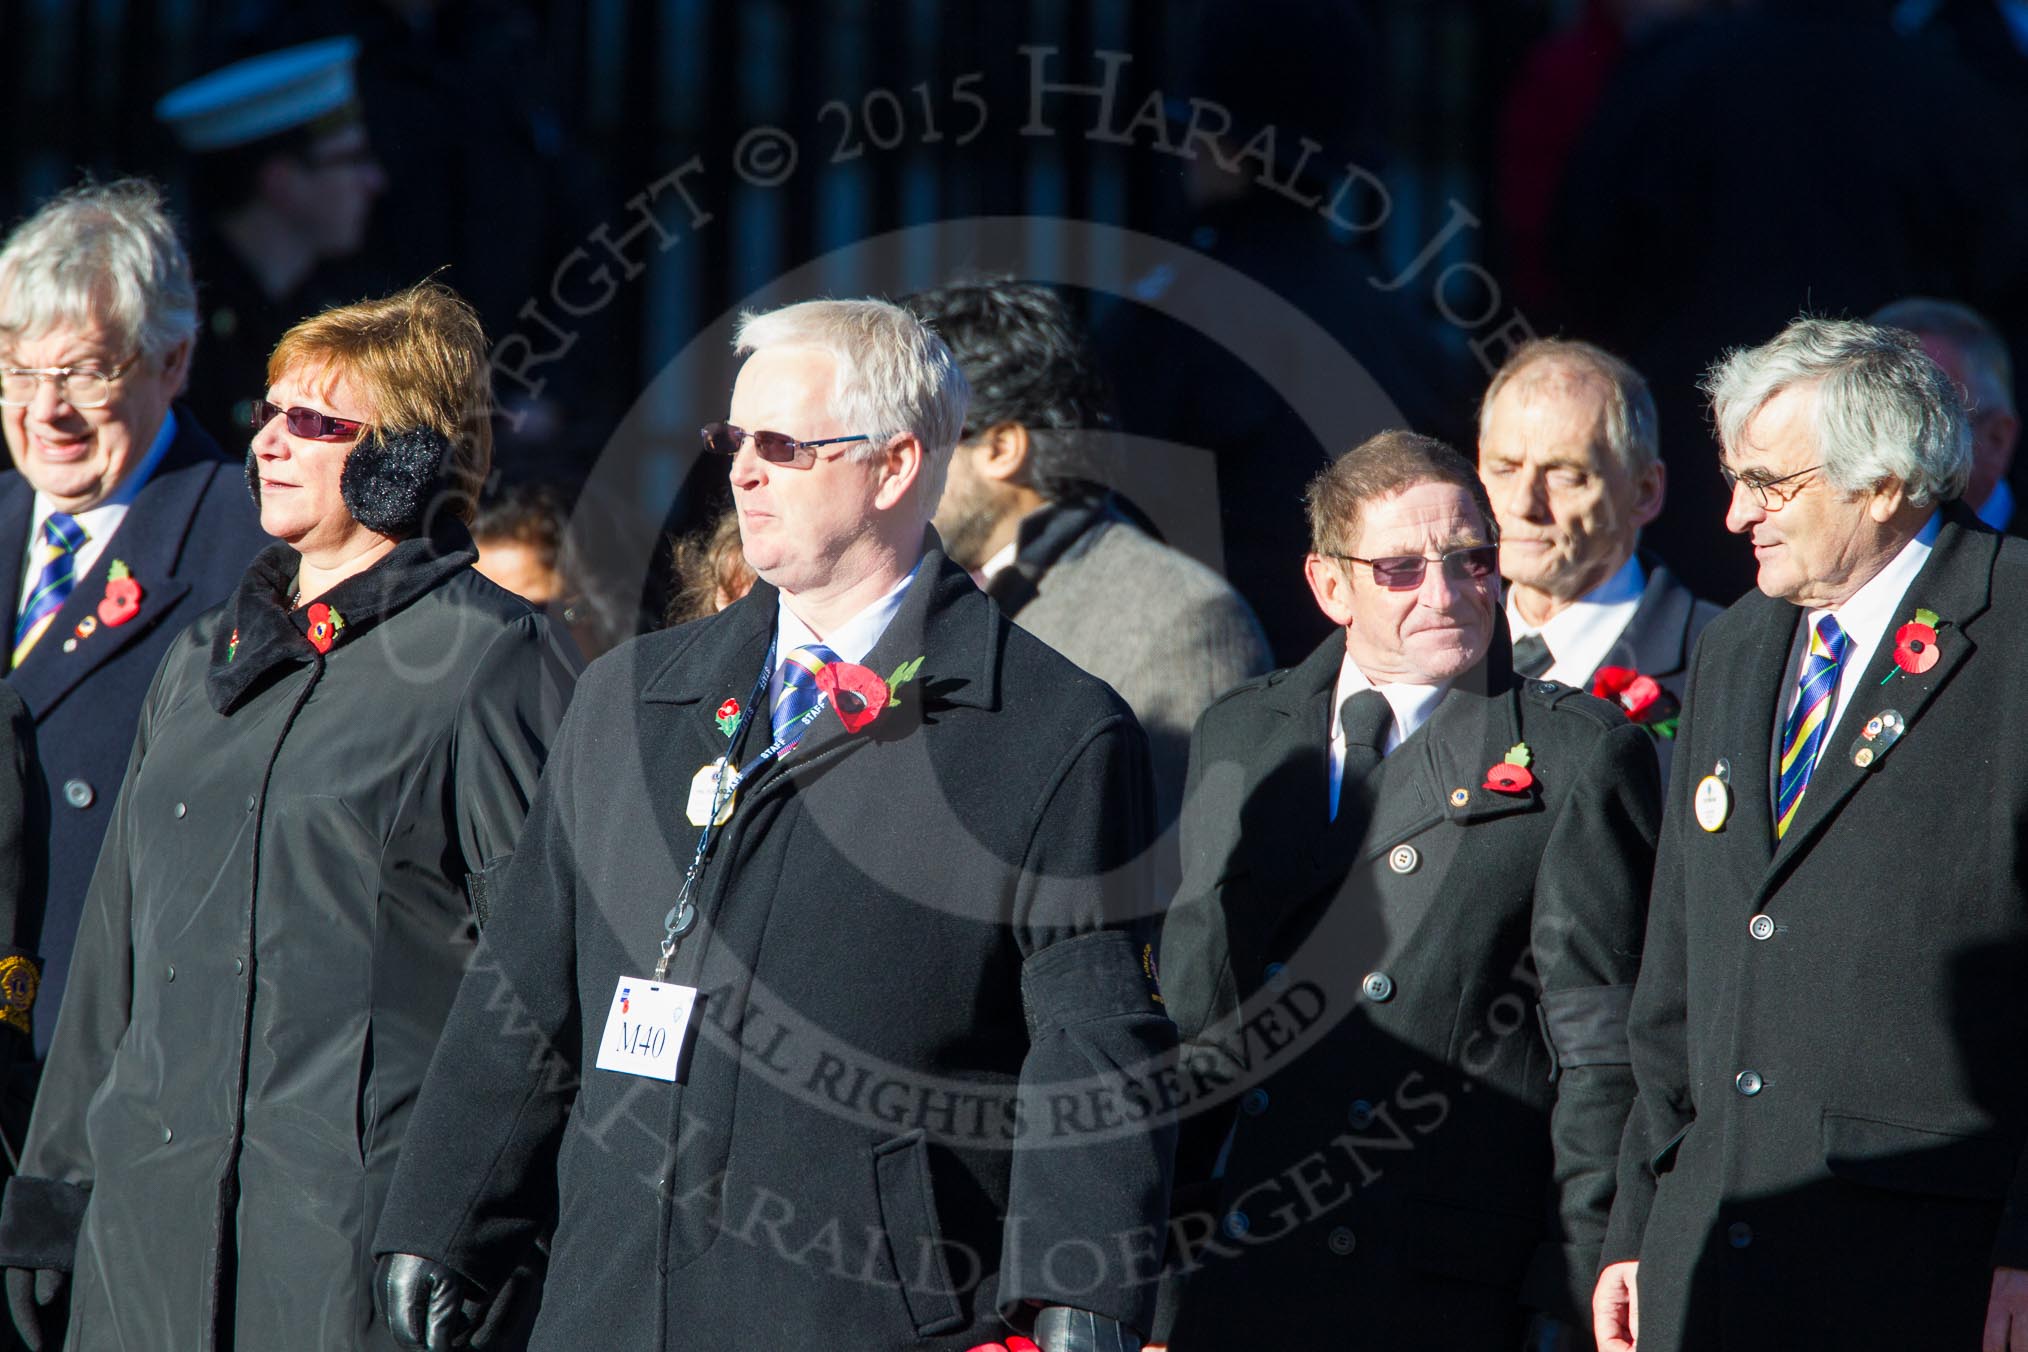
(284, 180)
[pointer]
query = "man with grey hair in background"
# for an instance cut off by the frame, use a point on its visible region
(905, 846)
(1024, 509)
(1826, 1149)
(1976, 358)
(1568, 453)
(122, 523)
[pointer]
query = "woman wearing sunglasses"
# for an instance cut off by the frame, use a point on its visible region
(327, 767)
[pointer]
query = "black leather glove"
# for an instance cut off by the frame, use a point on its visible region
(1058, 1328)
(31, 1292)
(428, 1307)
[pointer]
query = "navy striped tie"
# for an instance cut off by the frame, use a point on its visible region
(56, 560)
(799, 684)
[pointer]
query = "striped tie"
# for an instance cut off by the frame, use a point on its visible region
(56, 571)
(1809, 722)
(799, 683)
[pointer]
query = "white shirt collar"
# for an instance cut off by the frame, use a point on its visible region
(1582, 634)
(851, 640)
(1865, 617)
(1412, 706)
(1998, 508)
(1002, 557)
(98, 522)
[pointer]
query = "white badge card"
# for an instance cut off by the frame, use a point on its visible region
(704, 792)
(646, 1028)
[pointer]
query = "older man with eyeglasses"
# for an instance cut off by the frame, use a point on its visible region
(1413, 893)
(1828, 1030)
(123, 522)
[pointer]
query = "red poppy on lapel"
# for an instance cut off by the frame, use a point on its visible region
(122, 600)
(324, 626)
(855, 692)
(1512, 775)
(1915, 649)
(1643, 697)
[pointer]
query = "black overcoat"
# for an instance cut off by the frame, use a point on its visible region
(1827, 1146)
(272, 941)
(1406, 1166)
(187, 539)
(899, 927)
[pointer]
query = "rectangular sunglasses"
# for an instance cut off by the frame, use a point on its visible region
(722, 438)
(1404, 572)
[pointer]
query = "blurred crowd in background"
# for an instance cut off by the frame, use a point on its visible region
(1662, 177)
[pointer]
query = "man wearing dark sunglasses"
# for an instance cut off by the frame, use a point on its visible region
(1401, 956)
(891, 924)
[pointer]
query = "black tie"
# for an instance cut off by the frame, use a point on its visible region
(1367, 719)
(1531, 656)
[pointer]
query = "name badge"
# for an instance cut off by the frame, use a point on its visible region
(646, 1027)
(704, 791)
(1713, 803)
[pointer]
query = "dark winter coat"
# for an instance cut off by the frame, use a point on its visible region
(187, 539)
(272, 941)
(898, 927)
(1827, 1146)
(1410, 1164)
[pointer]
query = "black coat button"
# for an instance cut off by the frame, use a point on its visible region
(1378, 986)
(78, 793)
(1748, 1082)
(1341, 1242)
(1255, 1103)
(1739, 1234)
(1761, 927)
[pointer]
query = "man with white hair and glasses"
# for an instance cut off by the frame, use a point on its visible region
(1827, 1030)
(123, 523)
(826, 1023)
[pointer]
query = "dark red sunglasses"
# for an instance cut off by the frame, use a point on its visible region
(307, 423)
(722, 438)
(1404, 572)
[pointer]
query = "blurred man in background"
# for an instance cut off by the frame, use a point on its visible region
(284, 181)
(1022, 510)
(1974, 355)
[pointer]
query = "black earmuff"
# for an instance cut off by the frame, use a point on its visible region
(388, 479)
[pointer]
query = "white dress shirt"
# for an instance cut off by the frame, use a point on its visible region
(851, 640)
(1412, 706)
(98, 522)
(1867, 615)
(1582, 634)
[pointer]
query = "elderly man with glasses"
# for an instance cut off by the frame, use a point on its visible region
(828, 1027)
(1414, 887)
(1827, 1146)
(123, 522)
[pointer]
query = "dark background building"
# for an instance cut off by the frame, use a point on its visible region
(611, 180)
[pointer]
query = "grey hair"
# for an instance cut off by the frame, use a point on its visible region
(1632, 431)
(1883, 409)
(893, 374)
(1986, 354)
(100, 253)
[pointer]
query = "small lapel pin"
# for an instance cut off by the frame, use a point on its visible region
(1881, 731)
